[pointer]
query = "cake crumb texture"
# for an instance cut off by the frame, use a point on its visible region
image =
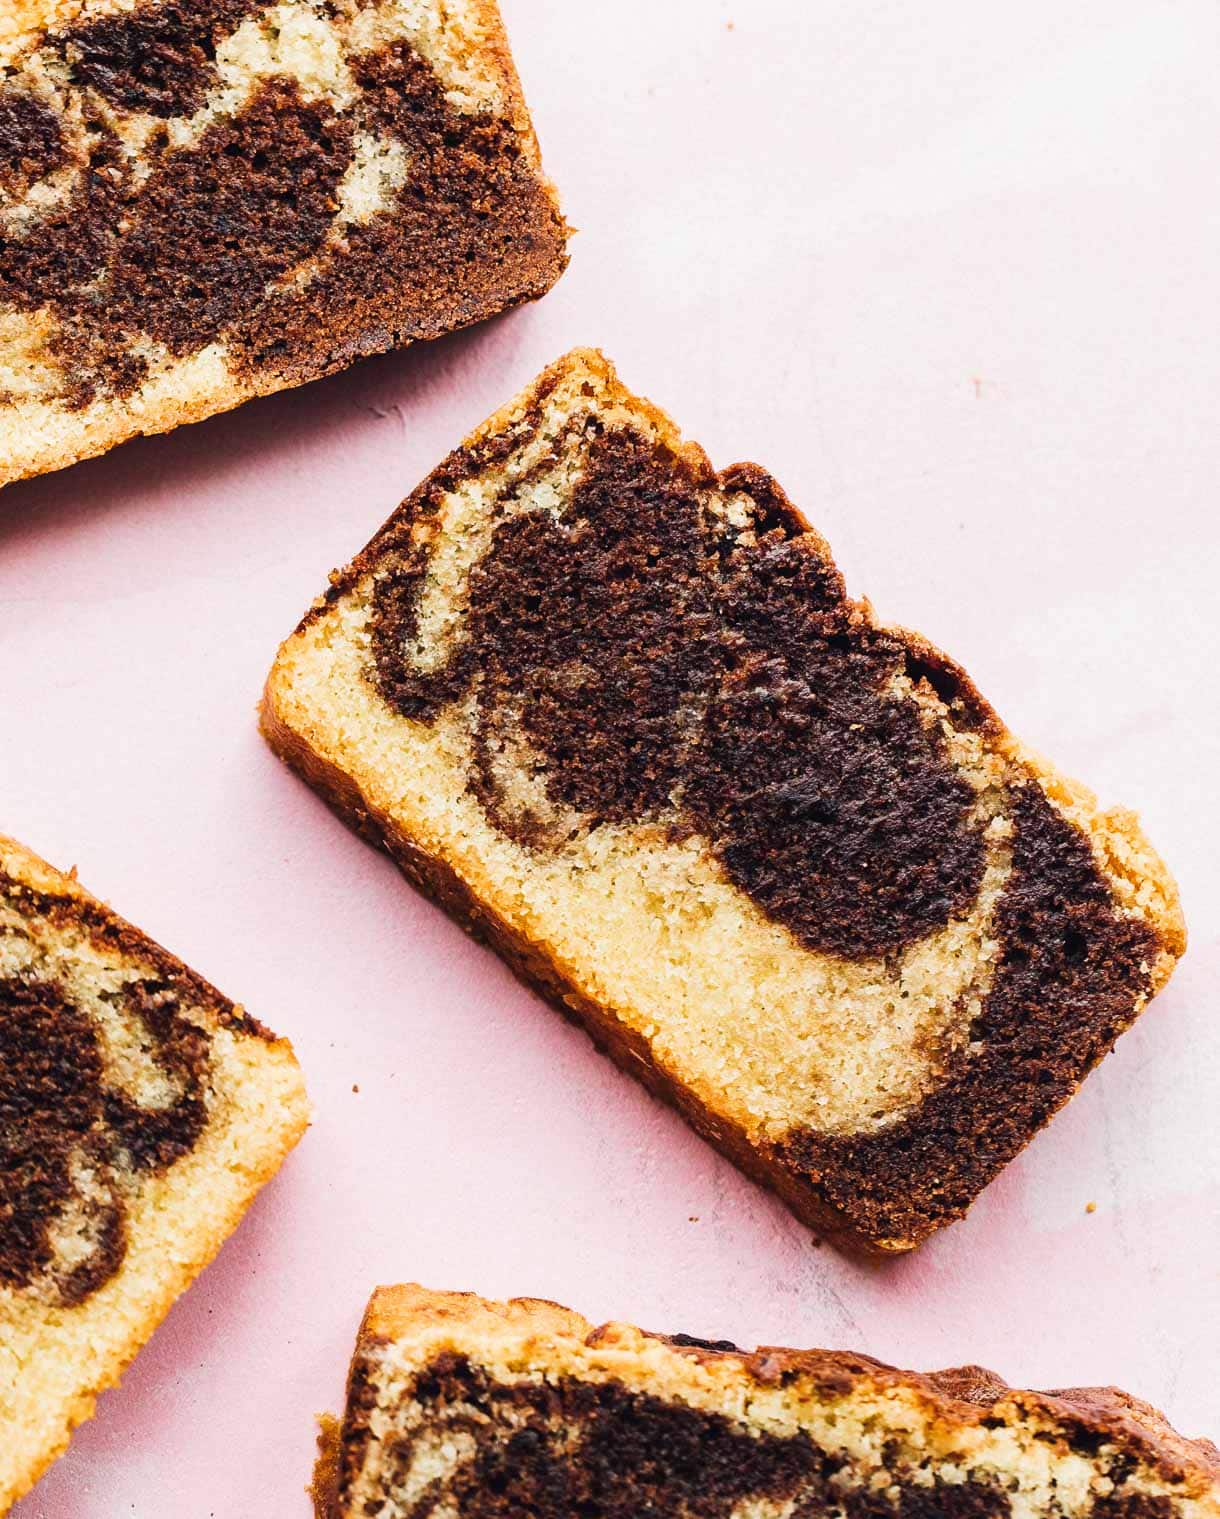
(140, 1113)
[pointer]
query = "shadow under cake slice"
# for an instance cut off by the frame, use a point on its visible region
(474, 1410)
(617, 712)
(203, 201)
(140, 1113)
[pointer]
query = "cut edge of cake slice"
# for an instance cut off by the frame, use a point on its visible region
(145, 1113)
(72, 389)
(455, 1398)
(503, 853)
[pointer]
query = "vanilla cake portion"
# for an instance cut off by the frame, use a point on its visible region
(140, 1113)
(617, 712)
(468, 1409)
(207, 200)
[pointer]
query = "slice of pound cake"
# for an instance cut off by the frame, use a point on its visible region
(474, 1410)
(617, 712)
(207, 200)
(140, 1113)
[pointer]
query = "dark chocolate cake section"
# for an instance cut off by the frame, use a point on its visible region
(67, 1133)
(472, 228)
(666, 672)
(1072, 971)
(31, 141)
(159, 58)
(188, 255)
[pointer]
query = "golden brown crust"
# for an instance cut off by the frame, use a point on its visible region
(495, 38)
(964, 1397)
(58, 895)
(323, 1488)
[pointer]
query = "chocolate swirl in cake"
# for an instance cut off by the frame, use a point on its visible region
(31, 142)
(666, 669)
(102, 1083)
(191, 251)
(235, 226)
(160, 58)
(1072, 965)
(72, 1137)
(663, 666)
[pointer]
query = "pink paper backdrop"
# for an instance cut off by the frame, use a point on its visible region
(950, 271)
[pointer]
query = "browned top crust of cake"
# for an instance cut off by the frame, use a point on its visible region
(553, 1443)
(741, 679)
(70, 1137)
(1091, 1415)
(109, 931)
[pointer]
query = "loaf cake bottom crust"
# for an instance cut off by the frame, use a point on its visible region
(470, 1409)
(202, 201)
(140, 1114)
(618, 714)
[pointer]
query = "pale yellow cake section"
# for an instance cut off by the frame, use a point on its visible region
(867, 1416)
(55, 1359)
(768, 1035)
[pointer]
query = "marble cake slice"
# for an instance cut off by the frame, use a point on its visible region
(203, 201)
(140, 1113)
(477, 1410)
(617, 712)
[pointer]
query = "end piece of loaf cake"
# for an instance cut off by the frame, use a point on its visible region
(617, 712)
(203, 201)
(476, 1410)
(140, 1113)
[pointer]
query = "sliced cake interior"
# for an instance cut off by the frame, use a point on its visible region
(206, 200)
(140, 1113)
(618, 710)
(469, 1409)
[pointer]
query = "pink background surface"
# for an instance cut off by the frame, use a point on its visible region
(950, 272)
